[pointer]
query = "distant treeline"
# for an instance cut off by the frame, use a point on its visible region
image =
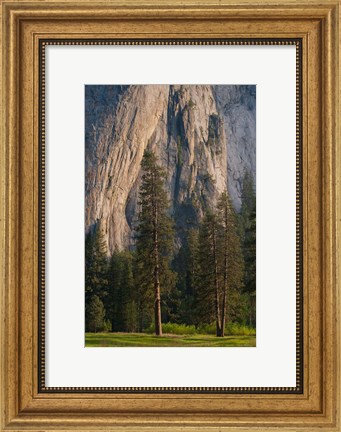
(210, 279)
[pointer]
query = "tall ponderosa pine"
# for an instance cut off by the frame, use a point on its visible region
(248, 233)
(96, 268)
(226, 226)
(231, 259)
(250, 266)
(208, 304)
(220, 263)
(154, 237)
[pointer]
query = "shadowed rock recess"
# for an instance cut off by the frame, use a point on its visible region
(203, 135)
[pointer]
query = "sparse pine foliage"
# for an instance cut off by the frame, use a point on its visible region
(220, 264)
(154, 237)
(231, 258)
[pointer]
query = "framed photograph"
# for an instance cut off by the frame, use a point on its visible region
(170, 183)
(170, 219)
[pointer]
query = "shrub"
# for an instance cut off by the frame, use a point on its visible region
(235, 329)
(172, 328)
(231, 329)
(179, 329)
(107, 326)
(209, 329)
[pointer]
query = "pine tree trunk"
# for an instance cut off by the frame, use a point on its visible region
(223, 311)
(157, 306)
(223, 308)
(216, 282)
(157, 302)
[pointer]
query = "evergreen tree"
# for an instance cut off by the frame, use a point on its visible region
(220, 265)
(250, 266)
(231, 258)
(154, 238)
(96, 267)
(208, 301)
(170, 295)
(248, 233)
(186, 267)
(113, 300)
(96, 315)
(122, 297)
(248, 199)
(144, 285)
(127, 288)
(192, 265)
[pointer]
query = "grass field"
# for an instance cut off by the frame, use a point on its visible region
(167, 340)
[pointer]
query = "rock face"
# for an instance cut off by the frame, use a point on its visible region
(203, 135)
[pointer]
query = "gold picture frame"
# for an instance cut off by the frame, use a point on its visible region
(28, 26)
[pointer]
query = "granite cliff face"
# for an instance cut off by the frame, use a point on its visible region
(203, 135)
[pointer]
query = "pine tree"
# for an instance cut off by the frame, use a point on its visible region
(250, 266)
(248, 199)
(225, 219)
(208, 300)
(96, 267)
(192, 264)
(248, 233)
(122, 308)
(154, 239)
(231, 259)
(186, 267)
(144, 285)
(220, 264)
(96, 315)
(128, 294)
(114, 300)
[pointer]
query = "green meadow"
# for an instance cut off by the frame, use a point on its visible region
(167, 340)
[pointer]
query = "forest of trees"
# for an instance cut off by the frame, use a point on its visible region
(209, 280)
